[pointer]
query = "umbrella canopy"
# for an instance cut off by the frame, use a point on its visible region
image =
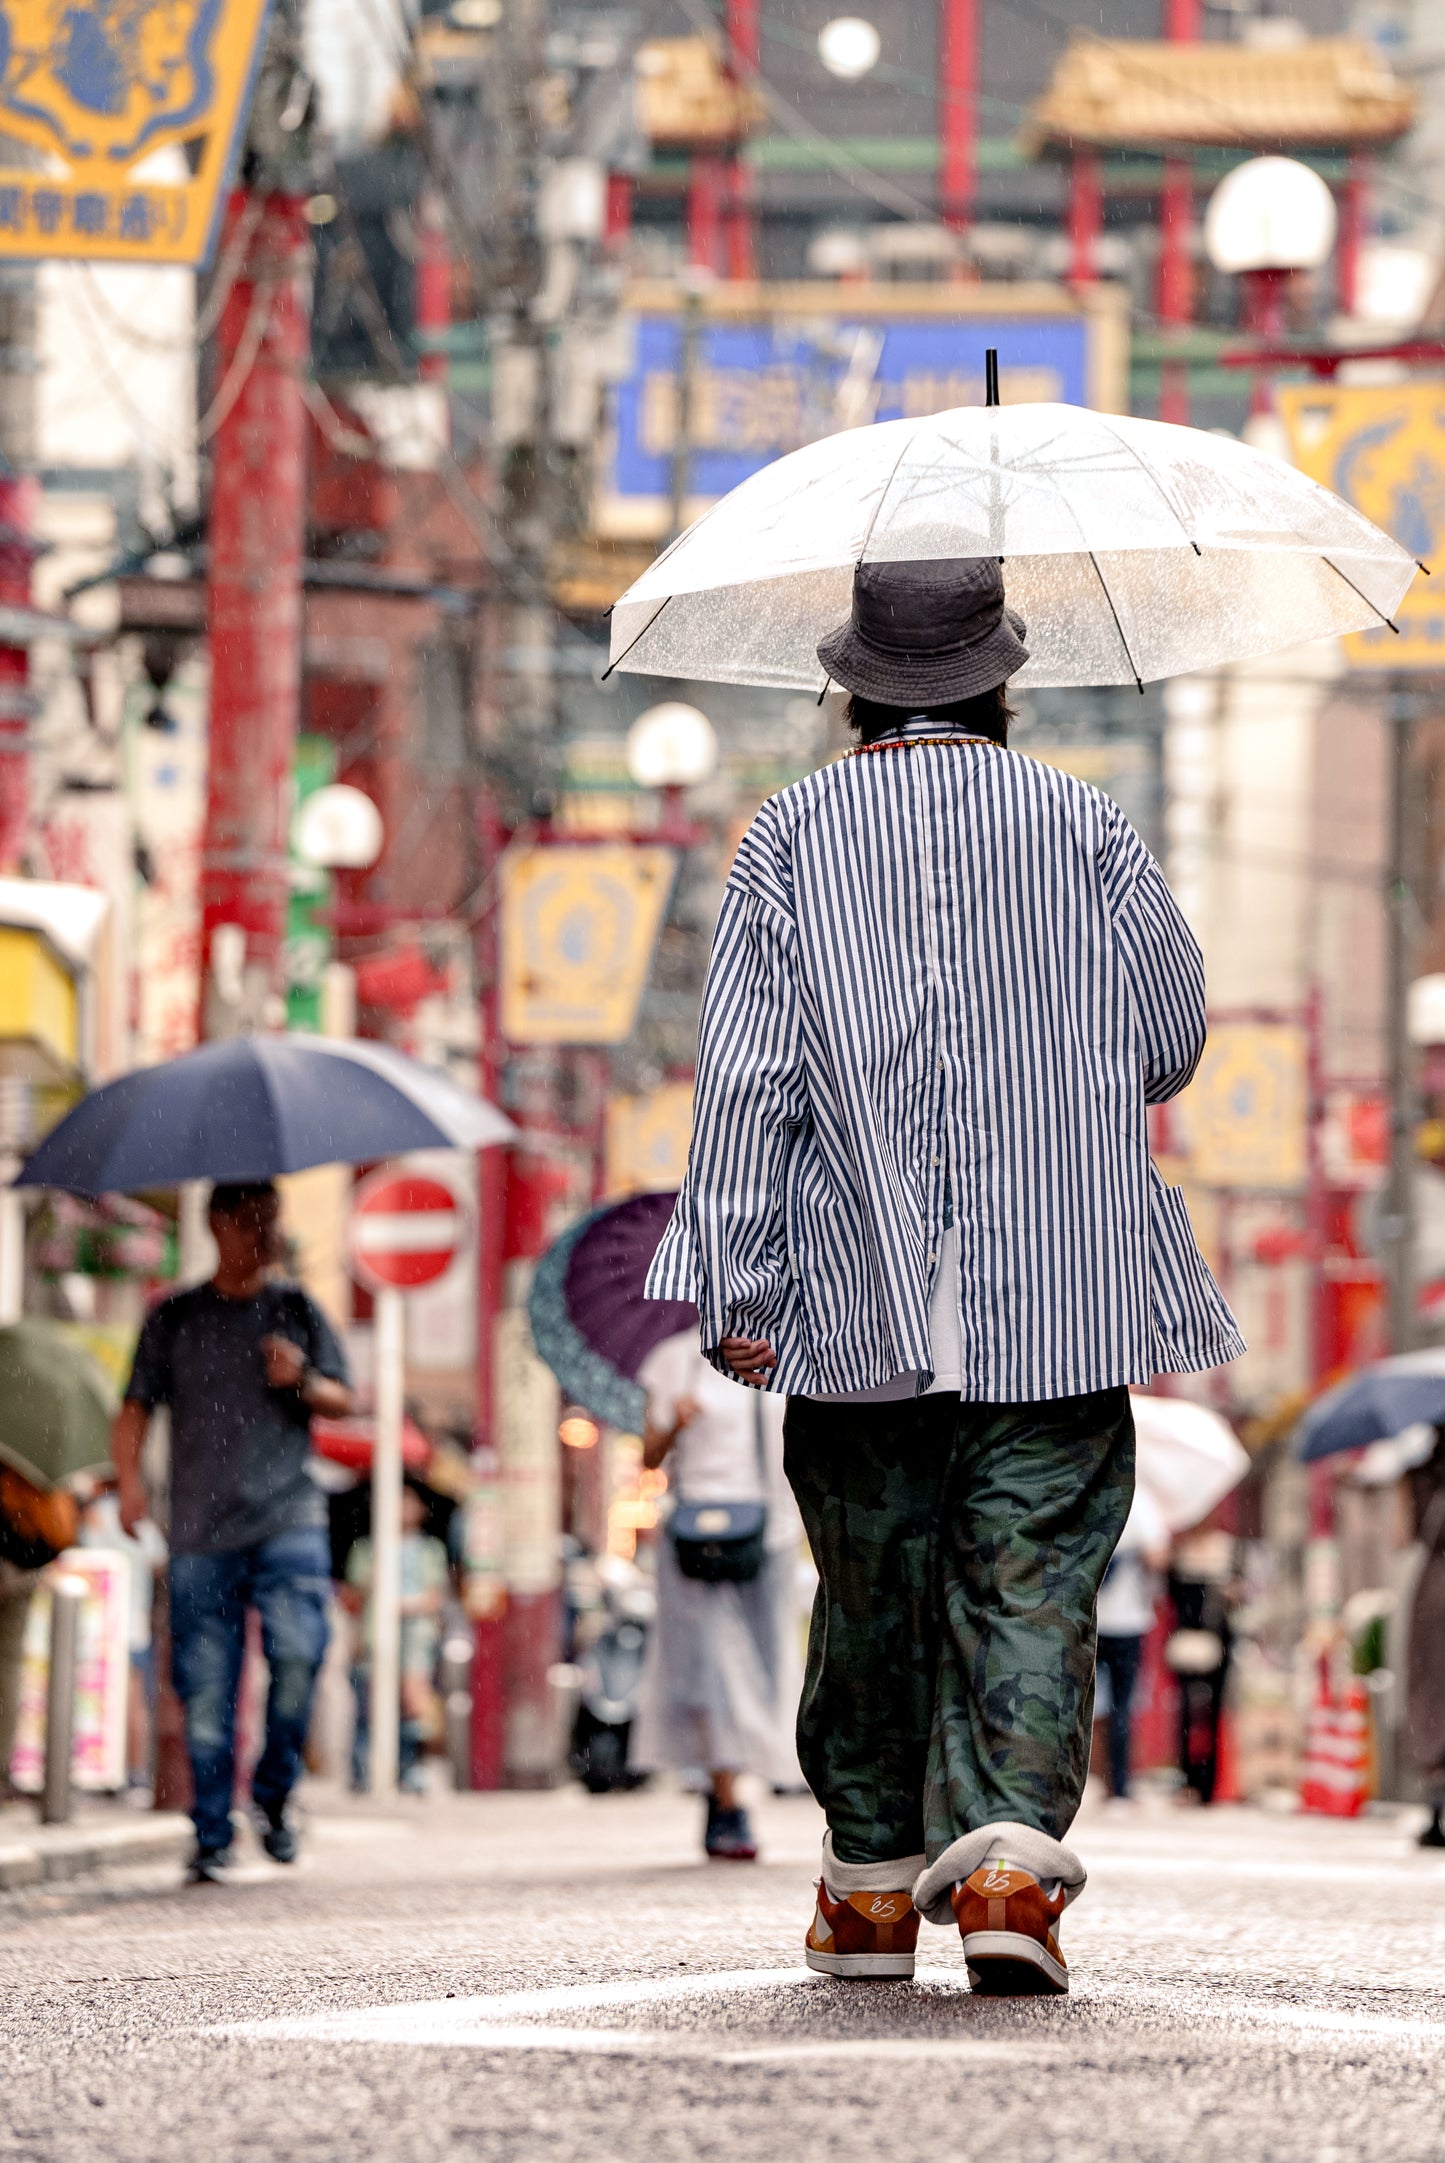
(1133, 548)
(1187, 1456)
(54, 1406)
(590, 1321)
(253, 1106)
(1372, 1405)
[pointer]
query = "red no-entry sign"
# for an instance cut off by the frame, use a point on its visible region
(406, 1231)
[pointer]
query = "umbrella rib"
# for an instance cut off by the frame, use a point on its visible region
(637, 641)
(1133, 670)
(1142, 462)
(1363, 596)
(882, 499)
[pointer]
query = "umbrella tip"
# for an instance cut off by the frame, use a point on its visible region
(990, 376)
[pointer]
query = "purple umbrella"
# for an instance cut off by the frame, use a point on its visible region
(590, 1321)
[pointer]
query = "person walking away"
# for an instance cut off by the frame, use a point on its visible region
(243, 1362)
(1124, 1617)
(1199, 1650)
(1425, 1658)
(715, 1695)
(946, 982)
(425, 1575)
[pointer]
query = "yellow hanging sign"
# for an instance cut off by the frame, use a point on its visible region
(134, 108)
(1382, 447)
(1245, 1113)
(647, 1138)
(579, 926)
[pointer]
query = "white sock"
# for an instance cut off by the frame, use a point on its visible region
(842, 1878)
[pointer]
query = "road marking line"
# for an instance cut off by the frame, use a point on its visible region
(516, 2020)
(439, 2019)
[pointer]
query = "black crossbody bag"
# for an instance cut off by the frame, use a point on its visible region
(721, 1543)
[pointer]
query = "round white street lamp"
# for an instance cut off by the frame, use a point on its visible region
(671, 746)
(1270, 214)
(849, 47)
(338, 828)
(1268, 219)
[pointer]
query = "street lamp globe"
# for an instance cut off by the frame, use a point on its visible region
(671, 746)
(338, 829)
(848, 47)
(1270, 214)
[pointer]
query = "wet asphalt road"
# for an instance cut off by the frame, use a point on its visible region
(555, 1977)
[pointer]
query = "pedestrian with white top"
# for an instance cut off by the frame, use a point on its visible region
(719, 1694)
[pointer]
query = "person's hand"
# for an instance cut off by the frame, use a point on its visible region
(285, 1362)
(752, 1359)
(131, 1502)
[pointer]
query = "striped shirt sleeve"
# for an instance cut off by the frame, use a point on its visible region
(751, 1098)
(1162, 964)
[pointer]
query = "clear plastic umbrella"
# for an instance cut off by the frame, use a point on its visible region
(1134, 549)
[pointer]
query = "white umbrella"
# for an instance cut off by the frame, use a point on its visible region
(1134, 549)
(1187, 1456)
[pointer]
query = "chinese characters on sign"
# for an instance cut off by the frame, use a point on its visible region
(780, 366)
(130, 111)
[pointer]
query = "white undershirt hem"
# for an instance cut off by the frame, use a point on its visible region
(945, 1339)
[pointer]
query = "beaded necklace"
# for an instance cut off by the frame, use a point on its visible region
(906, 743)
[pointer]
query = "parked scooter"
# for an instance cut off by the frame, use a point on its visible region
(612, 1646)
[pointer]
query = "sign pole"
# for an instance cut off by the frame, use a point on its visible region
(386, 1542)
(406, 1230)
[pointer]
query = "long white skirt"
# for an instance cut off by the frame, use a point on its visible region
(723, 1674)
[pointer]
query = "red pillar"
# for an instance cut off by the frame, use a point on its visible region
(1085, 216)
(744, 36)
(1174, 299)
(433, 304)
(957, 103)
(1354, 208)
(1265, 294)
(254, 601)
(19, 496)
(1175, 296)
(619, 208)
(705, 186)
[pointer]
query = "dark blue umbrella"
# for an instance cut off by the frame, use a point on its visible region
(1374, 1404)
(590, 1321)
(253, 1106)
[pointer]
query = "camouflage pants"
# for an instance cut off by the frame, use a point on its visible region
(950, 1678)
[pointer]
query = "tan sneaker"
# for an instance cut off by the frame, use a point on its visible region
(1009, 1926)
(862, 1935)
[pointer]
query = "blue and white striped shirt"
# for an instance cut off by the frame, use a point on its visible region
(944, 968)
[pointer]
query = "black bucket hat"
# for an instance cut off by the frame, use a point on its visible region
(926, 633)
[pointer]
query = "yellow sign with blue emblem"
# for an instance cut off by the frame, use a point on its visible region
(578, 928)
(130, 112)
(1382, 447)
(1245, 1115)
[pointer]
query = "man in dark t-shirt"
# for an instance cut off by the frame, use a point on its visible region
(242, 1362)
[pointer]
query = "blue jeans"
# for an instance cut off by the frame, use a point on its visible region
(287, 1579)
(1119, 1657)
